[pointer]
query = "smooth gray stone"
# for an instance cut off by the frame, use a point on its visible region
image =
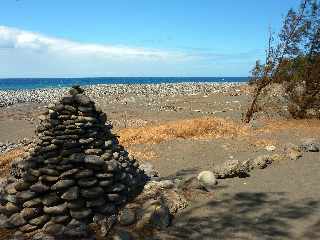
(68, 152)
(39, 188)
(62, 184)
(69, 173)
(85, 109)
(93, 151)
(10, 188)
(68, 145)
(59, 107)
(76, 89)
(33, 172)
(28, 228)
(49, 148)
(87, 182)
(107, 209)
(77, 158)
(29, 178)
(122, 235)
(52, 160)
(127, 217)
(50, 199)
(64, 167)
(49, 171)
(113, 197)
(106, 156)
(11, 208)
(35, 202)
(39, 221)
(82, 99)
(106, 183)
(22, 185)
(25, 195)
(108, 144)
(80, 214)
(29, 213)
(70, 108)
(118, 188)
(49, 179)
(95, 203)
(104, 175)
(73, 132)
(17, 220)
(71, 194)
(92, 192)
(86, 140)
(53, 228)
(90, 119)
(84, 173)
(56, 210)
(95, 160)
(76, 204)
(60, 219)
(68, 122)
(116, 155)
(112, 166)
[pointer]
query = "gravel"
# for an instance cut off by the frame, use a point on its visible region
(5, 147)
(49, 95)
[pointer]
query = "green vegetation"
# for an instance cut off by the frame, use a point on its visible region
(293, 60)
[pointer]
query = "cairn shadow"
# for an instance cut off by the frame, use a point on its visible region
(245, 216)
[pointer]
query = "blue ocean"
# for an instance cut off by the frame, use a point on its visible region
(35, 83)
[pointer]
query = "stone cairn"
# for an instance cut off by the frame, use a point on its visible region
(75, 171)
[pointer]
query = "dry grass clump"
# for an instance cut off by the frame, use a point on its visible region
(198, 128)
(8, 157)
(306, 125)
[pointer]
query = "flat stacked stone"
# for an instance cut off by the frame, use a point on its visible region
(77, 169)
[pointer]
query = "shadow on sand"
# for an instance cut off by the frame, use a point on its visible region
(248, 215)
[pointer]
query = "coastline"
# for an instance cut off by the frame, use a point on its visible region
(48, 95)
(182, 129)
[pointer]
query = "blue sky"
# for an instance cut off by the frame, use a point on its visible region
(79, 38)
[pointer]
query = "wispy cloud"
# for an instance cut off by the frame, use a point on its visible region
(20, 39)
(29, 54)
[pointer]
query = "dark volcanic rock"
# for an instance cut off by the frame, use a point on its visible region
(74, 170)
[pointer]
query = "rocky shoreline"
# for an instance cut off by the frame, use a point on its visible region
(49, 95)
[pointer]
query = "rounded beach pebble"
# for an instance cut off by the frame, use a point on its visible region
(207, 180)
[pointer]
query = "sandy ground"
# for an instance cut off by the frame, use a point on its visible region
(280, 202)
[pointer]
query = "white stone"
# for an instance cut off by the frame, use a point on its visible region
(270, 148)
(207, 180)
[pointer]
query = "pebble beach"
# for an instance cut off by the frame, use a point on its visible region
(196, 127)
(49, 95)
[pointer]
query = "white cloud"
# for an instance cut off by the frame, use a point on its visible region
(19, 39)
(28, 54)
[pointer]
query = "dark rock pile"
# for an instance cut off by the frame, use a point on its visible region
(75, 171)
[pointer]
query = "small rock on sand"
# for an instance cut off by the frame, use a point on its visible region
(207, 180)
(310, 145)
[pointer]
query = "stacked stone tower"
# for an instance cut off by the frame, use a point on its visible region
(76, 170)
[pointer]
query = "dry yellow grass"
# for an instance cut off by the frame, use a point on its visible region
(308, 126)
(198, 128)
(7, 158)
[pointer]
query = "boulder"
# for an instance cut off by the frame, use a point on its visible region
(232, 168)
(310, 145)
(293, 152)
(207, 180)
(262, 161)
(154, 214)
